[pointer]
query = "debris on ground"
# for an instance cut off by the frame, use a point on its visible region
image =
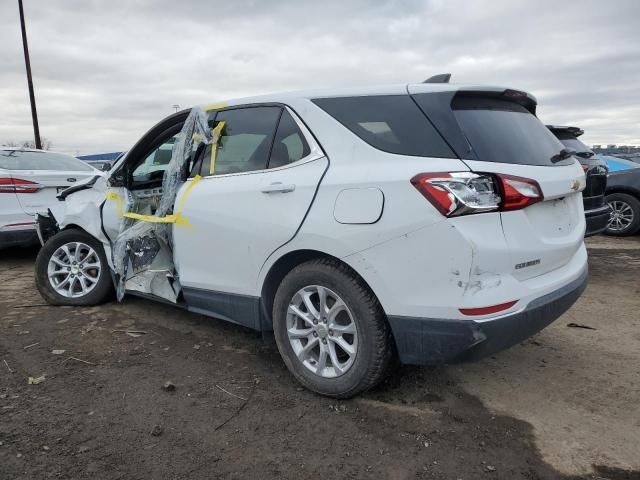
(75, 359)
(169, 386)
(579, 325)
(57, 352)
(29, 346)
(36, 380)
(8, 367)
(157, 430)
(131, 332)
(229, 393)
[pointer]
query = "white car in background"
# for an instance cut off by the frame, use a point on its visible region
(30, 180)
(437, 223)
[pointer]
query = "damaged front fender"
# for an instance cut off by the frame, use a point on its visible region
(80, 209)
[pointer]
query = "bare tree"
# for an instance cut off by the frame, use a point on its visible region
(46, 144)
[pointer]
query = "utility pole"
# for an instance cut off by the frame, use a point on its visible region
(32, 98)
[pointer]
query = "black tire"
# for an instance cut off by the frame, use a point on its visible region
(633, 203)
(375, 350)
(103, 289)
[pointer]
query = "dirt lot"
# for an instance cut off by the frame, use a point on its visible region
(565, 404)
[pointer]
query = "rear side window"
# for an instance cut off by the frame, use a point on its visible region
(505, 132)
(245, 141)
(289, 144)
(24, 160)
(391, 123)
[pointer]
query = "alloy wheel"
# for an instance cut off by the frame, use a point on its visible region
(74, 269)
(322, 331)
(621, 216)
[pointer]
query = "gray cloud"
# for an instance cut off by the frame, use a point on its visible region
(106, 71)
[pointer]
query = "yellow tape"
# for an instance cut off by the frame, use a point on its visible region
(214, 106)
(177, 217)
(216, 133)
(151, 218)
(115, 197)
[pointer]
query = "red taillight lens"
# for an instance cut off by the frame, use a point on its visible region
(488, 310)
(17, 185)
(518, 192)
(441, 198)
(464, 193)
(458, 193)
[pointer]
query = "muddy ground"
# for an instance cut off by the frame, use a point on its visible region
(564, 404)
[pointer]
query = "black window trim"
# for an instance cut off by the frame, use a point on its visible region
(315, 149)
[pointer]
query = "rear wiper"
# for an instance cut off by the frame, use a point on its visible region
(562, 155)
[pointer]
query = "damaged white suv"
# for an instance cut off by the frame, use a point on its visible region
(433, 222)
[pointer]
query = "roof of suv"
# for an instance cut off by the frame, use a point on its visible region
(397, 89)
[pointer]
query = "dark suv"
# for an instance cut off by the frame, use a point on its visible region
(596, 210)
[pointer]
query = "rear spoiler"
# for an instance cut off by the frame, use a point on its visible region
(575, 131)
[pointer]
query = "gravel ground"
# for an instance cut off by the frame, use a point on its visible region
(564, 404)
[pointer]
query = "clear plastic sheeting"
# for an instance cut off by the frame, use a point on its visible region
(142, 253)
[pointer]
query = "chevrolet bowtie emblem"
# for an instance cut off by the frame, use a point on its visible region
(575, 185)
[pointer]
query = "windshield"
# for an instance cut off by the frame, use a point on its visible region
(506, 132)
(28, 160)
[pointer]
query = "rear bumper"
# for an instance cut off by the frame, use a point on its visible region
(597, 220)
(13, 238)
(428, 341)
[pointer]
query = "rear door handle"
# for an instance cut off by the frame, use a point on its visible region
(278, 187)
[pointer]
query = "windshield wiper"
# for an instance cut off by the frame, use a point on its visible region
(562, 155)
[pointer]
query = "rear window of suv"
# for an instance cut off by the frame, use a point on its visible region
(570, 141)
(391, 123)
(506, 132)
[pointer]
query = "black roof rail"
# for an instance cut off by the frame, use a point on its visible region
(440, 78)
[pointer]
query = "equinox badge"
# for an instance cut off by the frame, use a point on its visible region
(530, 263)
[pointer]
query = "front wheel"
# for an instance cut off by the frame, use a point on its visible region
(331, 330)
(72, 269)
(624, 218)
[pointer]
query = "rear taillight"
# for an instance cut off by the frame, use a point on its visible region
(518, 192)
(464, 193)
(458, 193)
(17, 185)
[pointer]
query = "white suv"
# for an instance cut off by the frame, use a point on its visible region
(433, 222)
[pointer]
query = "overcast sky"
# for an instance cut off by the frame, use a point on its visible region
(107, 70)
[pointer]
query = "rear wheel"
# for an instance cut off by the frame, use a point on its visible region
(331, 330)
(625, 214)
(71, 269)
